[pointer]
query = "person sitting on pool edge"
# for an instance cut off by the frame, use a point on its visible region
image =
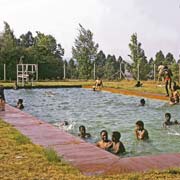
(142, 102)
(138, 84)
(117, 146)
(168, 121)
(174, 99)
(104, 143)
(140, 132)
(83, 133)
(20, 104)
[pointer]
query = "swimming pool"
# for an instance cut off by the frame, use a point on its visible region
(103, 110)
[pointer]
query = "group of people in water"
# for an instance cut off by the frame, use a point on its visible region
(114, 145)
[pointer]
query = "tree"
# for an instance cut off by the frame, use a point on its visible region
(110, 71)
(138, 59)
(100, 62)
(26, 40)
(169, 59)
(159, 58)
(71, 69)
(85, 52)
(9, 53)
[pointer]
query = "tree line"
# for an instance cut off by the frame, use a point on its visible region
(86, 61)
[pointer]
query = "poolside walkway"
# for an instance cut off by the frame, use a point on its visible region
(89, 159)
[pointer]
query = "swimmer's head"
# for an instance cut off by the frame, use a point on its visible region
(82, 129)
(142, 102)
(140, 125)
(116, 136)
(104, 135)
(167, 116)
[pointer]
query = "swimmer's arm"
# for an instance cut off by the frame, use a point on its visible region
(109, 145)
(98, 144)
(141, 135)
(136, 133)
(88, 135)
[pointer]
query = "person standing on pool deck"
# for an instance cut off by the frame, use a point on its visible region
(140, 132)
(2, 92)
(104, 143)
(168, 78)
(2, 98)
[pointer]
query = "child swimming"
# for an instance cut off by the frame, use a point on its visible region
(168, 121)
(117, 146)
(140, 132)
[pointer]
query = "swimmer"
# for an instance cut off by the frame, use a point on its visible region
(64, 123)
(142, 102)
(50, 93)
(104, 143)
(140, 132)
(20, 104)
(117, 146)
(83, 133)
(168, 121)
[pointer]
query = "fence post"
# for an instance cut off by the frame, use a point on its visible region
(138, 72)
(94, 71)
(64, 71)
(179, 72)
(154, 72)
(4, 72)
(120, 76)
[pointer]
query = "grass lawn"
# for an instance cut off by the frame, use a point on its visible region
(148, 86)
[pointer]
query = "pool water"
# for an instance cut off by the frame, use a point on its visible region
(103, 110)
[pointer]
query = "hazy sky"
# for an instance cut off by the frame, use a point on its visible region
(156, 22)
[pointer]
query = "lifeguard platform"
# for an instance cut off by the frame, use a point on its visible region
(27, 73)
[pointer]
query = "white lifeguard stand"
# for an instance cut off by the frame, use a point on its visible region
(27, 73)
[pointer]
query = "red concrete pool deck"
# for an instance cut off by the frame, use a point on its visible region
(88, 158)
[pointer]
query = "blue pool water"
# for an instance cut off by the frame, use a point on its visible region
(103, 110)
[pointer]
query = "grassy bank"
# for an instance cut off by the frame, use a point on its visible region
(148, 86)
(22, 160)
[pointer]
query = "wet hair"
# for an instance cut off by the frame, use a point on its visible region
(116, 134)
(20, 101)
(82, 127)
(142, 101)
(168, 114)
(66, 123)
(140, 123)
(104, 132)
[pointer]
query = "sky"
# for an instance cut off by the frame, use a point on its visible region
(112, 22)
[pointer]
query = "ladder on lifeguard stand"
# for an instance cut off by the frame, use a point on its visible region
(26, 72)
